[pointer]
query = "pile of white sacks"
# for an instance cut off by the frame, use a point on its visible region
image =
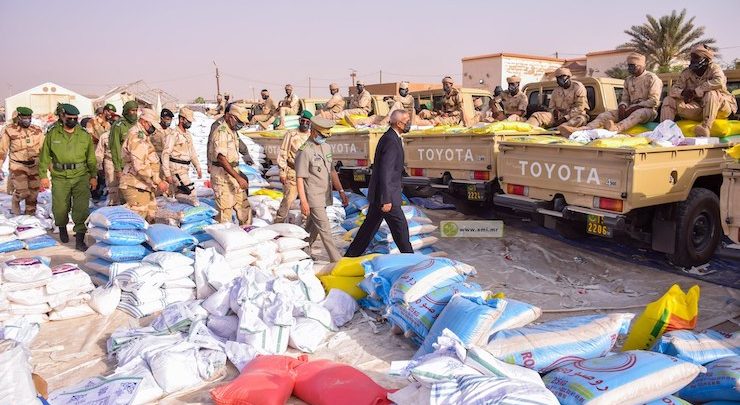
(24, 232)
(30, 289)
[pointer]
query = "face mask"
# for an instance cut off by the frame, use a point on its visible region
(25, 123)
(151, 130)
(320, 139)
(131, 117)
(513, 89)
(447, 88)
(563, 81)
(238, 126)
(333, 92)
(70, 122)
(407, 128)
(403, 92)
(631, 69)
(265, 97)
(185, 123)
(699, 66)
(164, 125)
(304, 127)
(360, 89)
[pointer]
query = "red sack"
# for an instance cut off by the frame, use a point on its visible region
(323, 382)
(266, 380)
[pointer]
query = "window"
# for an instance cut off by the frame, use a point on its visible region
(618, 92)
(591, 97)
(534, 98)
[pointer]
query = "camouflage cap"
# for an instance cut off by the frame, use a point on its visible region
(513, 79)
(404, 85)
(322, 125)
(238, 111)
(24, 111)
(148, 115)
(702, 51)
(636, 59)
(562, 72)
(186, 113)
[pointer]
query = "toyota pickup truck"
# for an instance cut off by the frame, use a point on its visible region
(729, 200)
(666, 197)
(463, 165)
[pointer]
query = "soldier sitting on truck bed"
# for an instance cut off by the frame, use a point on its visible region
(403, 101)
(640, 99)
(700, 93)
(514, 102)
(266, 109)
(451, 110)
(335, 106)
(287, 106)
(360, 103)
(567, 106)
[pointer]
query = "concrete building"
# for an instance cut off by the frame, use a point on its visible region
(391, 89)
(597, 63)
(489, 71)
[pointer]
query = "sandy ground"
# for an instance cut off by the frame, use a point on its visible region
(562, 280)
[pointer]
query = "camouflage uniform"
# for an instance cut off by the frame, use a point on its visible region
(266, 114)
(399, 103)
(140, 175)
(570, 106)
(105, 163)
(642, 91)
(512, 105)
(716, 101)
(24, 147)
(292, 141)
(333, 108)
(287, 106)
(177, 156)
(451, 106)
(229, 196)
(96, 127)
(359, 104)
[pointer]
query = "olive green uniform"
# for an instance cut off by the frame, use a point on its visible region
(313, 166)
(71, 158)
(117, 135)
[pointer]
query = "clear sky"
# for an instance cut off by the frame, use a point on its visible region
(91, 46)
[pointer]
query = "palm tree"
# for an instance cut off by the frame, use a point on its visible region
(666, 40)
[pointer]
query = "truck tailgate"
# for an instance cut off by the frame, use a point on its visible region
(551, 169)
(271, 145)
(450, 152)
(351, 147)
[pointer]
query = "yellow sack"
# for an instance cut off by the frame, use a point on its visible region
(346, 284)
(274, 194)
(673, 311)
(636, 130)
(720, 128)
(338, 129)
(734, 152)
(353, 116)
(351, 266)
(620, 142)
(542, 140)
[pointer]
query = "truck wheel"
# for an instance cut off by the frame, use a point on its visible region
(697, 229)
(570, 229)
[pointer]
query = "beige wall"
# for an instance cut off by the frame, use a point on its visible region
(486, 69)
(597, 65)
(529, 70)
(495, 69)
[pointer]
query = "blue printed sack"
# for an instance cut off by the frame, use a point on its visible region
(117, 217)
(117, 253)
(719, 383)
(169, 238)
(40, 242)
(426, 276)
(118, 236)
(699, 348)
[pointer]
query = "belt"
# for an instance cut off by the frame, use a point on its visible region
(218, 164)
(182, 162)
(68, 166)
(25, 162)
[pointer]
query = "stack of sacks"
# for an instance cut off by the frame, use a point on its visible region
(43, 209)
(336, 214)
(273, 177)
(189, 218)
(31, 289)
(256, 151)
(119, 235)
(254, 175)
(265, 204)
(233, 242)
(8, 239)
(161, 279)
(23, 232)
(291, 244)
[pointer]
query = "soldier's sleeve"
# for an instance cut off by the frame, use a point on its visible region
(4, 145)
(294, 103)
(282, 160)
(716, 80)
(625, 100)
(114, 143)
(92, 162)
(581, 101)
(220, 142)
(458, 106)
(366, 101)
(193, 154)
(100, 151)
(45, 158)
(678, 86)
(169, 144)
(522, 106)
(551, 102)
(301, 164)
(656, 88)
(139, 151)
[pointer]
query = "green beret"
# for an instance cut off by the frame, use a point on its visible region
(306, 114)
(25, 111)
(110, 107)
(130, 105)
(70, 109)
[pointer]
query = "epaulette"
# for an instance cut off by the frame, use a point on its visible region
(303, 146)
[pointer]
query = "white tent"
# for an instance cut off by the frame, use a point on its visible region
(43, 99)
(141, 92)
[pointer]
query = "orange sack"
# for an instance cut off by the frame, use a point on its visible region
(266, 380)
(324, 382)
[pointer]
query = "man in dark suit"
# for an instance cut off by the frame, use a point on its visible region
(384, 192)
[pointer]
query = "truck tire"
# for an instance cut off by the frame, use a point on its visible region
(698, 229)
(571, 229)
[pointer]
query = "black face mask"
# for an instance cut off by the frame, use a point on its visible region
(497, 91)
(70, 122)
(25, 123)
(185, 123)
(699, 66)
(164, 125)
(265, 97)
(304, 127)
(631, 69)
(407, 127)
(563, 81)
(403, 92)
(513, 89)
(238, 125)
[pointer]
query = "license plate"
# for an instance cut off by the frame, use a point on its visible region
(596, 226)
(474, 194)
(359, 177)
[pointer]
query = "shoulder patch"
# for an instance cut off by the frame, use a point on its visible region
(141, 134)
(302, 147)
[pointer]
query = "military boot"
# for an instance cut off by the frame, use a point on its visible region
(15, 209)
(80, 242)
(63, 236)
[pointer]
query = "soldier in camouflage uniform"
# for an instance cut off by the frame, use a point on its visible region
(286, 162)
(266, 110)
(229, 186)
(452, 112)
(164, 131)
(22, 142)
(335, 106)
(568, 105)
(288, 105)
(140, 176)
(513, 101)
(179, 153)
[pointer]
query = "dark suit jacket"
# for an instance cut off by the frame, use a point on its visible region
(385, 182)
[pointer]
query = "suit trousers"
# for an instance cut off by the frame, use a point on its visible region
(396, 223)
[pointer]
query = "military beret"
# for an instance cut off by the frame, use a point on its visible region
(636, 59)
(306, 114)
(70, 109)
(513, 79)
(322, 125)
(703, 51)
(24, 111)
(166, 113)
(110, 107)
